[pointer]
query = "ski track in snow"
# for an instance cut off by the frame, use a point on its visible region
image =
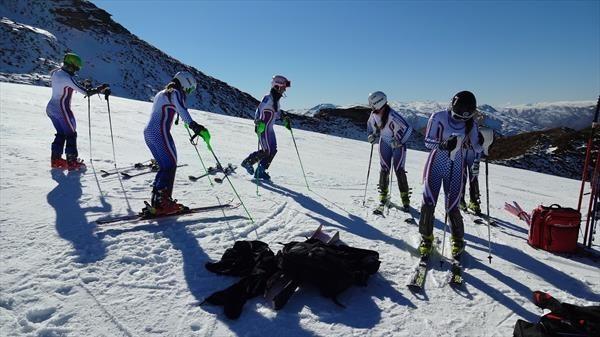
(62, 275)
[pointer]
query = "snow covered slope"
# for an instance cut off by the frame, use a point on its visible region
(35, 34)
(62, 275)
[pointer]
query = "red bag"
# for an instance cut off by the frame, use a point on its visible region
(554, 228)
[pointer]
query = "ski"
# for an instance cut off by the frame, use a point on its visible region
(141, 217)
(138, 166)
(417, 278)
(379, 210)
(230, 169)
(153, 169)
(210, 171)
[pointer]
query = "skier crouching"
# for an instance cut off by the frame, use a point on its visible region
(267, 113)
(445, 134)
(393, 132)
(60, 113)
(157, 134)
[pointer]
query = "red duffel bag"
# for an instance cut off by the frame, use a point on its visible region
(554, 228)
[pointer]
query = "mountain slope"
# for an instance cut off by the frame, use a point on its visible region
(63, 275)
(37, 33)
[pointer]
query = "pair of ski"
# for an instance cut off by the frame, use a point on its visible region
(186, 211)
(151, 166)
(379, 210)
(417, 279)
(228, 170)
(280, 288)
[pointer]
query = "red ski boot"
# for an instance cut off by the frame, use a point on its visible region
(163, 204)
(75, 164)
(58, 163)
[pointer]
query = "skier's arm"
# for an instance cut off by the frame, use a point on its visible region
(402, 134)
(181, 107)
(72, 83)
(474, 138)
(432, 138)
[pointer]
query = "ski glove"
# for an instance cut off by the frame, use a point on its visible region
(287, 123)
(259, 127)
(200, 131)
(448, 144)
(372, 138)
(396, 143)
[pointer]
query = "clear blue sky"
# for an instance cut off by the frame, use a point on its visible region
(339, 51)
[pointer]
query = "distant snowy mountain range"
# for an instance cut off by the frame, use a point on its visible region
(515, 119)
(35, 34)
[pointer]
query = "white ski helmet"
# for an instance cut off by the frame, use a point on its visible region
(377, 100)
(280, 83)
(187, 81)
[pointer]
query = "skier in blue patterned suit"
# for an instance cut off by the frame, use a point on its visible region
(59, 111)
(393, 132)
(267, 113)
(157, 134)
(446, 132)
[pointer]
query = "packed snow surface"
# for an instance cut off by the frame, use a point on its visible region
(63, 275)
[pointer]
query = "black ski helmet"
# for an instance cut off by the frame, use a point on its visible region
(464, 105)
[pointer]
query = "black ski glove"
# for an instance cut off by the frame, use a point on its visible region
(197, 128)
(448, 144)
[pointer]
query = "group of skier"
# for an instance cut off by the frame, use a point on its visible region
(455, 142)
(452, 135)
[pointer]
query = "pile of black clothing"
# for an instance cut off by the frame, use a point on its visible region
(331, 268)
(564, 319)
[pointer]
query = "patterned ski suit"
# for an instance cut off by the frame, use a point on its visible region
(393, 132)
(59, 111)
(267, 113)
(157, 134)
(439, 168)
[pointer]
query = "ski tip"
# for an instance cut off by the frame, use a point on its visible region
(192, 178)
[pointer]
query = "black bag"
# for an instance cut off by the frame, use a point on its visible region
(332, 269)
(564, 320)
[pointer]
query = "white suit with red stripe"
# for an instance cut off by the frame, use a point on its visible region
(157, 134)
(59, 111)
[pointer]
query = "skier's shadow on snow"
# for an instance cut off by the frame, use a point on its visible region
(350, 223)
(71, 222)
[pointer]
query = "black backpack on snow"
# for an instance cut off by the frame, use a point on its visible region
(563, 320)
(332, 269)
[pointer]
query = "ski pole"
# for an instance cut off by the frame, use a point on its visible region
(487, 199)
(195, 145)
(112, 139)
(588, 152)
(90, 128)
(391, 187)
(233, 188)
(446, 216)
(255, 172)
(368, 172)
(300, 160)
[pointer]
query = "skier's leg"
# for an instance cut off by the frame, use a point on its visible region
(453, 185)
(399, 161)
(435, 167)
(385, 163)
(271, 142)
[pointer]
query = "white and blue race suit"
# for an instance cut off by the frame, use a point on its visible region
(60, 113)
(157, 134)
